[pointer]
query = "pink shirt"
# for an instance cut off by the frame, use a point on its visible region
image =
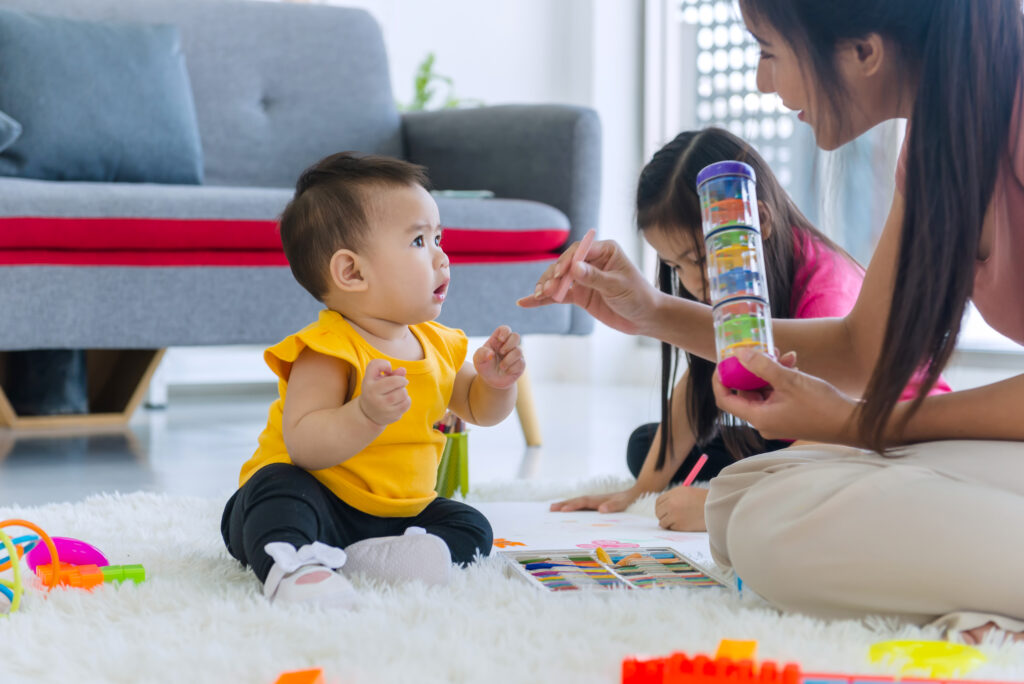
(999, 279)
(826, 285)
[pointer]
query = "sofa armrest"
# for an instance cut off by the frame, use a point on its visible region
(546, 153)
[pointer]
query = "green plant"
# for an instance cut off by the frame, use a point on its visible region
(425, 88)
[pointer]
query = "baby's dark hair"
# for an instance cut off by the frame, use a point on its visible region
(329, 210)
(666, 197)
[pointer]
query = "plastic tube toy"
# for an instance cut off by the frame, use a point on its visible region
(736, 275)
(13, 589)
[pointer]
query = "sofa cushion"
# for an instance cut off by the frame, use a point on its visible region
(148, 224)
(501, 227)
(97, 101)
(9, 131)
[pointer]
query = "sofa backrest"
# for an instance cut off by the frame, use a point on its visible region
(276, 85)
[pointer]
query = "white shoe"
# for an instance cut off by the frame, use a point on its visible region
(414, 555)
(307, 575)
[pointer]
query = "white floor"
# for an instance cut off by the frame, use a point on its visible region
(196, 445)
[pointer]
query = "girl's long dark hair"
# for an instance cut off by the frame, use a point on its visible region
(666, 197)
(967, 57)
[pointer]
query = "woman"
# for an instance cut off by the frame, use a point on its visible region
(870, 527)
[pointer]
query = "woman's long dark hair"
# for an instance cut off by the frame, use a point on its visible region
(666, 198)
(967, 57)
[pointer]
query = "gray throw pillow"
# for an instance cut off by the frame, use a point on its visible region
(9, 131)
(97, 101)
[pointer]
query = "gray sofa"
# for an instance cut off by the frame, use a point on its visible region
(277, 86)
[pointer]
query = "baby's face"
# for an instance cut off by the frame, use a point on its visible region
(683, 254)
(409, 271)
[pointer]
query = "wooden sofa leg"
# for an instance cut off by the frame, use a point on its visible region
(527, 412)
(117, 382)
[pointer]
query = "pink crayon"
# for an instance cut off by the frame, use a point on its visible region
(578, 256)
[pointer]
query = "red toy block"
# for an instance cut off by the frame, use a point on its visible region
(681, 669)
(643, 671)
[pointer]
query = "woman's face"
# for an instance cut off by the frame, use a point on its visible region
(677, 247)
(779, 71)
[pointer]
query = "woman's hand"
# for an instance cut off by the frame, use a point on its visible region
(615, 502)
(682, 509)
(795, 405)
(606, 284)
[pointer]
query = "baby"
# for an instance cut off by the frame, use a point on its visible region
(345, 470)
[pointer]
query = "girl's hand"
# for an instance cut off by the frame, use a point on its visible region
(499, 362)
(682, 509)
(616, 502)
(384, 398)
(606, 284)
(794, 406)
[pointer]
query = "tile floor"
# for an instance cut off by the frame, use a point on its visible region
(196, 445)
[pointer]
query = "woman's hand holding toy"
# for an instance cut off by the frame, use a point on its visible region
(795, 405)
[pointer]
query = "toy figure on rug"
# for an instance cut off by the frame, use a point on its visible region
(345, 471)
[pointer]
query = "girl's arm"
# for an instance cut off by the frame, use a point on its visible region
(485, 392)
(650, 479)
(320, 426)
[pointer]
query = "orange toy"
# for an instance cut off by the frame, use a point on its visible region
(88, 576)
(314, 676)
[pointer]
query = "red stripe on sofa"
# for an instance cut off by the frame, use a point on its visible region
(232, 258)
(491, 241)
(182, 235)
(97, 234)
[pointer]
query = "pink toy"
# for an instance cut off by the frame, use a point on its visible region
(71, 551)
(578, 256)
(736, 376)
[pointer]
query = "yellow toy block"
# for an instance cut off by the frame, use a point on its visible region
(736, 650)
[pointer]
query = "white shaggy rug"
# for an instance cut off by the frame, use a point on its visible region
(200, 617)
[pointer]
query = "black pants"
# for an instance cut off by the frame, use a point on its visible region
(284, 503)
(718, 455)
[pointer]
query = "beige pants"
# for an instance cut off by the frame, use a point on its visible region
(936, 536)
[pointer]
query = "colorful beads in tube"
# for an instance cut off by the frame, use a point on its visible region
(736, 273)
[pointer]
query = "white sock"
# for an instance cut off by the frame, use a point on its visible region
(307, 575)
(414, 555)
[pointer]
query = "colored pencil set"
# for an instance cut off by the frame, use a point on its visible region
(634, 568)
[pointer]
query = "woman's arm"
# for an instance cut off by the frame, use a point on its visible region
(802, 406)
(987, 412)
(841, 350)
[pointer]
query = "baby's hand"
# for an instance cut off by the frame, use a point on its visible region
(384, 398)
(500, 361)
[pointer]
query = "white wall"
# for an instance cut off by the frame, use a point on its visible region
(581, 52)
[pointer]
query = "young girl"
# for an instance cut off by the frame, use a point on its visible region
(808, 277)
(840, 531)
